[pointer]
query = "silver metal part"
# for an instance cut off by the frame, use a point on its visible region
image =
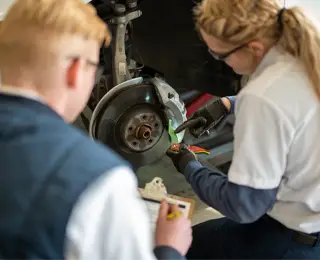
(119, 8)
(107, 97)
(141, 129)
(120, 68)
(132, 3)
(168, 97)
(174, 107)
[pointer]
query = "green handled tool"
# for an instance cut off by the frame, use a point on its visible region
(175, 146)
(172, 133)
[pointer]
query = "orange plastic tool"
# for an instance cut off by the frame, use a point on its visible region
(194, 149)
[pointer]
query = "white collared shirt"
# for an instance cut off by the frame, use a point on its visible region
(277, 140)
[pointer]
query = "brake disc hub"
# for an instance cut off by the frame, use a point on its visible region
(144, 132)
(141, 129)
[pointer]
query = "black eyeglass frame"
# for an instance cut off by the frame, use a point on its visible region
(99, 68)
(223, 56)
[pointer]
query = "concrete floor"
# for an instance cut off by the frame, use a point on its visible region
(176, 185)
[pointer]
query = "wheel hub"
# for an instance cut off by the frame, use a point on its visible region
(141, 129)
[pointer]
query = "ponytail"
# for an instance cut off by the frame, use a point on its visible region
(301, 38)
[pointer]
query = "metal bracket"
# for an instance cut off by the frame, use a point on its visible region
(174, 108)
(120, 66)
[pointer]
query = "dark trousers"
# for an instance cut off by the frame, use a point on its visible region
(225, 239)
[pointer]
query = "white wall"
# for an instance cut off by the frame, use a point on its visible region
(4, 4)
(310, 6)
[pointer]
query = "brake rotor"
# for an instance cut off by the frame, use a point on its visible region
(133, 124)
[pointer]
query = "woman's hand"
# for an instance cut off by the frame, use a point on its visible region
(176, 232)
(209, 116)
(181, 158)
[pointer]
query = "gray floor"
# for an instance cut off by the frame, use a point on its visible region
(175, 184)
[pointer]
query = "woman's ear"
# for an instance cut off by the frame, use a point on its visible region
(257, 48)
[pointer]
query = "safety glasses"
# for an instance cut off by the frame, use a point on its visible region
(99, 68)
(223, 56)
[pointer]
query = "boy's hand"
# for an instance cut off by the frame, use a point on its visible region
(176, 232)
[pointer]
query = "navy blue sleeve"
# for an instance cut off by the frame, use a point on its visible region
(232, 100)
(240, 203)
(167, 253)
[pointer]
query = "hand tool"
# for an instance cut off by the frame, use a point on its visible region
(192, 148)
(172, 133)
(191, 123)
(175, 146)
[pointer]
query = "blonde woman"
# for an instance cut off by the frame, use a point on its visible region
(271, 196)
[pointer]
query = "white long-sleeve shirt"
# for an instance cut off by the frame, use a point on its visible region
(110, 221)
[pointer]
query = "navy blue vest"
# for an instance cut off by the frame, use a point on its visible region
(45, 165)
